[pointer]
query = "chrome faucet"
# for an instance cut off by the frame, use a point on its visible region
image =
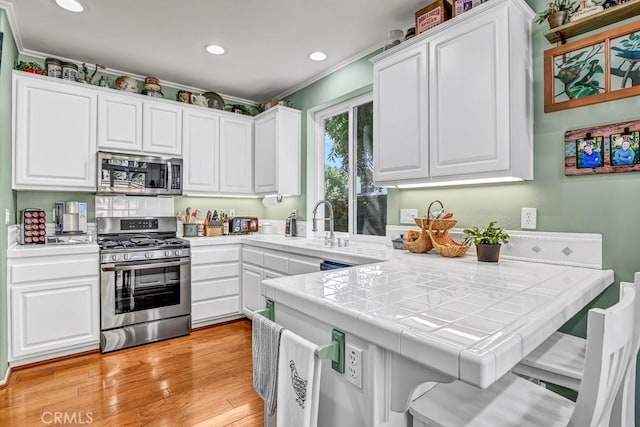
(327, 241)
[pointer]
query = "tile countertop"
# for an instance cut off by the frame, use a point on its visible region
(475, 321)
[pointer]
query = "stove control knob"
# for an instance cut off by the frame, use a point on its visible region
(114, 257)
(178, 252)
(167, 253)
(147, 254)
(127, 256)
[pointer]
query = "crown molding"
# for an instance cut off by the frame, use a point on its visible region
(11, 17)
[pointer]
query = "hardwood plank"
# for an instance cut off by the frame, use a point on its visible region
(204, 378)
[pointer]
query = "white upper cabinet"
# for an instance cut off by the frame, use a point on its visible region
(161, 128)
(400, 116)
(277, 151)
(478, 113)
(201, 152)
(119, 122)
(236, 155)
(54, 135)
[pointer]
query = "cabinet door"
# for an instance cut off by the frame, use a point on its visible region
(236, 155)
(119, 122)
(201, 152)
(54, 316)
(161, 128)
(266, 154)
(469, 96)
(54, 141)
(400, 126)
(251, 298)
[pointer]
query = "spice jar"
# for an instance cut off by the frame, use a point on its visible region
(395, 37)
(69, 71)
(53, 67)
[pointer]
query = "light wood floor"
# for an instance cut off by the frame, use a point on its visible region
(204, 379)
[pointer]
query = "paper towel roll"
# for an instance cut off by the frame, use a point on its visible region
(272, 200)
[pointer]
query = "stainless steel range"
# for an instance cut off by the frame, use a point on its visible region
(145, 281)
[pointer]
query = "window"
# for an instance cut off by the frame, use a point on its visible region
(345, 168)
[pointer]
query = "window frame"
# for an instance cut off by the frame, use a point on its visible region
(320, 116)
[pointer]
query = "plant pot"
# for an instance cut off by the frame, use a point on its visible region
(558, 18)
(488, 253)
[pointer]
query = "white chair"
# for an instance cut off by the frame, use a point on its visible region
(513, 401)
(560, 360)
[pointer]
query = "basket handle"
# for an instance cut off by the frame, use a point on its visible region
(429, 209)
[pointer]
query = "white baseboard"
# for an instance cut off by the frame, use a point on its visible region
(4, 380)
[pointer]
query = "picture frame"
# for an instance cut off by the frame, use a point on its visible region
(624, 148)
(461, 6)
(608, 138)
(598, 68)
(590, 152)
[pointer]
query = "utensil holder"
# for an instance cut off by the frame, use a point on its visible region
(190, 230)
(212, 231)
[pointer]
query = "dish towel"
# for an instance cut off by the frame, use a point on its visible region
(265, 344)
(298, 382)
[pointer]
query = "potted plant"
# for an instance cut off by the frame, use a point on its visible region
(556, 13)
(29, 67)
(488, 241)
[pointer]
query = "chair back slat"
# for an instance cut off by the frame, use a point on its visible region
(610, 341)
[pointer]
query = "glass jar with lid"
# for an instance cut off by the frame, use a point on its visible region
(394, 39)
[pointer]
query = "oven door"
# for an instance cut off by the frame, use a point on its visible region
(140, 292)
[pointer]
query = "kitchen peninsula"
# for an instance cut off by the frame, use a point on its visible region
(420, 318)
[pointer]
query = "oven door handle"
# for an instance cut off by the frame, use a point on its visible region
(146, 266)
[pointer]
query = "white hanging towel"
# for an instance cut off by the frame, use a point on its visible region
(266, 344)
(298, 382)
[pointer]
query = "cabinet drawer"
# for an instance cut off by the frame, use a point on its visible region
(30, 270)
(215, 289)
(276, 262)
(252, 256)
(303, 265)
(214, 271)
(214, 308)
(208, 255)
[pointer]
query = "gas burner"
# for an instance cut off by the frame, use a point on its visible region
(115, 244)
(146, 241)
(173, 242)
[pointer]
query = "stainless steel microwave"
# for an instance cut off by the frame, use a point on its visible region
(122, 173)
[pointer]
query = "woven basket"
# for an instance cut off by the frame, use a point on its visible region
(421, 245)
(442, 241)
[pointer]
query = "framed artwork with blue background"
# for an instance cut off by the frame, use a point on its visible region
(598, 68)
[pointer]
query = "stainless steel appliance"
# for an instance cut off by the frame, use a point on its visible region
(120, 173)
(70, 217)
(145, 281)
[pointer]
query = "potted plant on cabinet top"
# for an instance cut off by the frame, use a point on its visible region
(556, 13)
(487, 240)
(29, 67)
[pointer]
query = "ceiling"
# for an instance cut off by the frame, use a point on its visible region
(267, 42)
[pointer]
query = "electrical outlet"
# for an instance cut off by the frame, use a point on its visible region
(529, 218)
(407, 215)
(232, 213)
(353, 368)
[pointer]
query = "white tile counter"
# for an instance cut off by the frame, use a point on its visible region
(471, 321)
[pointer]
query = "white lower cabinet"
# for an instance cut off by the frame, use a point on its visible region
(262, 264)
(215, 284)
(53, 306)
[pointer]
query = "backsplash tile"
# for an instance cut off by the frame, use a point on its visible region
(132, 206)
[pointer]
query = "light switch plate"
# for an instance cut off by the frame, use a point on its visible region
(407, 215)
(7, 216)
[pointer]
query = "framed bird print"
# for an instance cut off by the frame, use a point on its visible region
(598, 68)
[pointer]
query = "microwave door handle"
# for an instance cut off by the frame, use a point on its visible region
(145, 266)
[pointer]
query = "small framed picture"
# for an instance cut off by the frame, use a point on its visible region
(590, 152)
(625, 148)
(462, 6)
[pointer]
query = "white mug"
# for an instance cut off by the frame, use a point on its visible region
(199, 100)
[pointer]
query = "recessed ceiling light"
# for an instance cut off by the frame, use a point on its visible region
(215, 49)
(70, 5)
(317, 56)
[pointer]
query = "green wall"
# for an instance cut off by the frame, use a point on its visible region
(7, 198)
